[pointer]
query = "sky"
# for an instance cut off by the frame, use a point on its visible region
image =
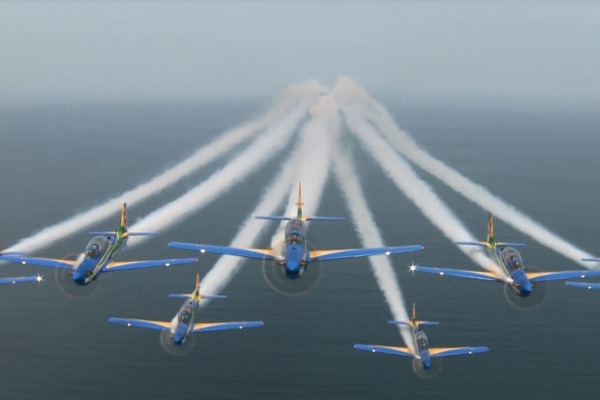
(98, 51)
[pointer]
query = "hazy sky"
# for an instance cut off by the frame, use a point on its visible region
(101, 51)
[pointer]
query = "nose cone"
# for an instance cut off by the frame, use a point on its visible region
(525, 288)
(79, 277)
(178, 339)
(292, 269)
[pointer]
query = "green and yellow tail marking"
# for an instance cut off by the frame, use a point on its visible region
(490, 232)
(299, 203)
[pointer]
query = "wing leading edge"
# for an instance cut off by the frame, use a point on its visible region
(397, 351)
(456, 351)
(231, 251)
(459, 273)
(127, 265)
(326, 255)
(221, 326)
(141, 323)
(41, 262)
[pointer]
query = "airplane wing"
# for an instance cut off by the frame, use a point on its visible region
(21, 279)
(456, 351)
(125, 265)
(325, 255)
(142, 323)
(584, 285)
(486, 276)
(221, 326)
(397, 351)
(42, 262)
(231, 251)
(556, 276)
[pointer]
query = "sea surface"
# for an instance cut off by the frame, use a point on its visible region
(57, 161)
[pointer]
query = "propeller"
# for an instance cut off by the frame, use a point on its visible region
(537, 296)
(427, 373)
(166, 342)
(64, 280)
(276, 278)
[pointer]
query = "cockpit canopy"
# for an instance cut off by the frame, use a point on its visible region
(422, 340)
(96, 247)
(185, 314)
(294, 231)
(512, 259)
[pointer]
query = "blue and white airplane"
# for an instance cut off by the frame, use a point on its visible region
(422, 353)
(183, 324)
(295, 255)
(510, 263)
(98, 255)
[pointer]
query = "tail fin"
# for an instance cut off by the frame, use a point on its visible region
(299, 212)
(299, 203)
(491, 242)
(195, 295)
(124, 217)
(490, 232)
(414, 323)
(197, 288)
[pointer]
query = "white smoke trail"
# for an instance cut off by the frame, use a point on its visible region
(271, 142)
(291, 97)
(478, 194)
(417, 190)
(320, 134)
(321, 130)
(369, 234)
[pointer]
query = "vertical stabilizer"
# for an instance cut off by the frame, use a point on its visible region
(490, 232)
(414, 315)
(197, 288)
(299, 203)
(124, 217)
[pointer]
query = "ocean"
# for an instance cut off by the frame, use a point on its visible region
(57, 161)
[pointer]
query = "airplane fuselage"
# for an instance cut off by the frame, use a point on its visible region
(99, 252)
(511, 263)
(422, 345)
(295, 253)
(183, 322)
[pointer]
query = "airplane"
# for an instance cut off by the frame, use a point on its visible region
(98, 256)
(420, 351)
(295, 255)
(183, 324)
(510, 263)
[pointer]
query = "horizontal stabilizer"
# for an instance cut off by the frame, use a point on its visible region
(113, 233)
(510, 244)
(482, 244)
(324, 218)
(397, 351)
(583, 259)
(202, 296)
(418, 323)
(273, 218)
(584, 285)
